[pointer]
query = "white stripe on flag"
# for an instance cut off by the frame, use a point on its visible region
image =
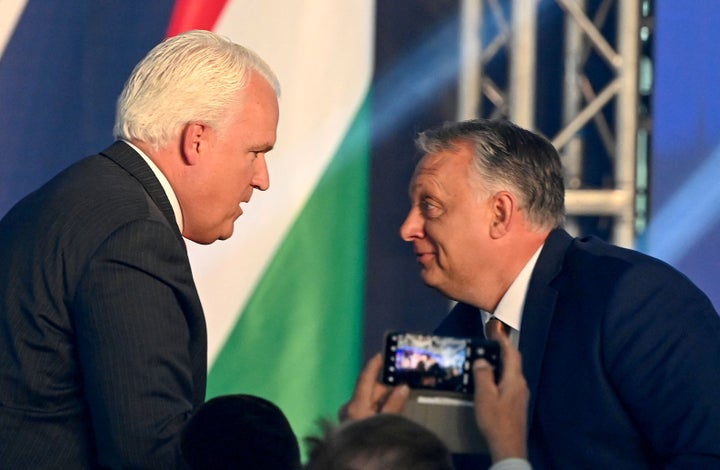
(11, 11)
(322, 52)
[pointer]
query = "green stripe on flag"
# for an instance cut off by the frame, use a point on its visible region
(298, 342)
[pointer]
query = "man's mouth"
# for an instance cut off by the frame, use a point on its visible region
(243, 201)
(423, 257)
(240, 210)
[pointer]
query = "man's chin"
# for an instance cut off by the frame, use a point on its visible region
(199, 240)
(428, 278)
(226, 234)
(210, 237)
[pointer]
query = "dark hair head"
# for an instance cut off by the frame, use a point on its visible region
(508, 157)
(240, 431)
(382, 442)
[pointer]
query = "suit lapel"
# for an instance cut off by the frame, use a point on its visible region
(538, 311)
(127, 158)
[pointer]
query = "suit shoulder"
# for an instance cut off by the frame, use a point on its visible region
(94, 191)
(593, 252)
(81, 206)
(593, 260)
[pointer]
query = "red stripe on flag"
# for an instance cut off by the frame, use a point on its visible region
(194, 14)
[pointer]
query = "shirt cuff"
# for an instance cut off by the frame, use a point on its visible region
(511, 464)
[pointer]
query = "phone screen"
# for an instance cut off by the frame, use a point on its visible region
(433, 362)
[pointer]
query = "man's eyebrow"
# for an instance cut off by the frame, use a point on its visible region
(412, 188)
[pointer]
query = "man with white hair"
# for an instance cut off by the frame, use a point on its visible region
(102, 336)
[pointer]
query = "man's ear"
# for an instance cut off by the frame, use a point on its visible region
(503, 209)
(192, 142)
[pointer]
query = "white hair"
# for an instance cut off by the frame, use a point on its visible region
(194, 76)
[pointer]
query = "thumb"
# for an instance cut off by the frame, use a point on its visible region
(484, 377)
(396, 400)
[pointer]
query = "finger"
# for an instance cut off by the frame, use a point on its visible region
(368, 379)
(511, 359)
(484, 379)
(396, 400)
(368, 393)
(512, 382)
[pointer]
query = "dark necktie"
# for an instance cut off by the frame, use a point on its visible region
(495, 327)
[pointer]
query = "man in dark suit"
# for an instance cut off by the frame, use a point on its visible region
(102, 335)
(620, 351)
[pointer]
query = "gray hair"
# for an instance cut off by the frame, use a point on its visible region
(194, 76)
(511, 158)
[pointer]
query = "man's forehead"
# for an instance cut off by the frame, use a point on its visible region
(428, 172)
(430, 164)
(439, 163)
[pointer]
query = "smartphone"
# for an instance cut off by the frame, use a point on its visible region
(435, 362)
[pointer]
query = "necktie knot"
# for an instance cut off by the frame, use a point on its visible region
(494, 327)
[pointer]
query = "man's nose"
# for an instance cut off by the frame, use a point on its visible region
(261, 178)
(412, 228)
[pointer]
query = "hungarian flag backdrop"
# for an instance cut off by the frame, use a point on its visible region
(284, 296)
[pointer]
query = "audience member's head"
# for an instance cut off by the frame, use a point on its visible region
(237, 432)
(381, 442)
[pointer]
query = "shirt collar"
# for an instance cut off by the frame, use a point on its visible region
(509, 309)
(174, 203)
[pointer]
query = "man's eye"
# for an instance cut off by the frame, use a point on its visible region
(429, 209)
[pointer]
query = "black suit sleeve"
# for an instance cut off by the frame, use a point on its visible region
(133, 338)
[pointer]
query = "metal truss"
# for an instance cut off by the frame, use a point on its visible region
(613, 103)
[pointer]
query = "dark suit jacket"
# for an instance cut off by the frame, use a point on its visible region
(102, 335)
(622, 357)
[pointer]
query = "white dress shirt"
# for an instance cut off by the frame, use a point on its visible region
(509, 309)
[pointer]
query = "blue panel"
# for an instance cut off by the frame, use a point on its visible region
(685, 171)
(59, 78)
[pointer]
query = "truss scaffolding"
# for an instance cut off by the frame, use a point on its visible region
(615, 102)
